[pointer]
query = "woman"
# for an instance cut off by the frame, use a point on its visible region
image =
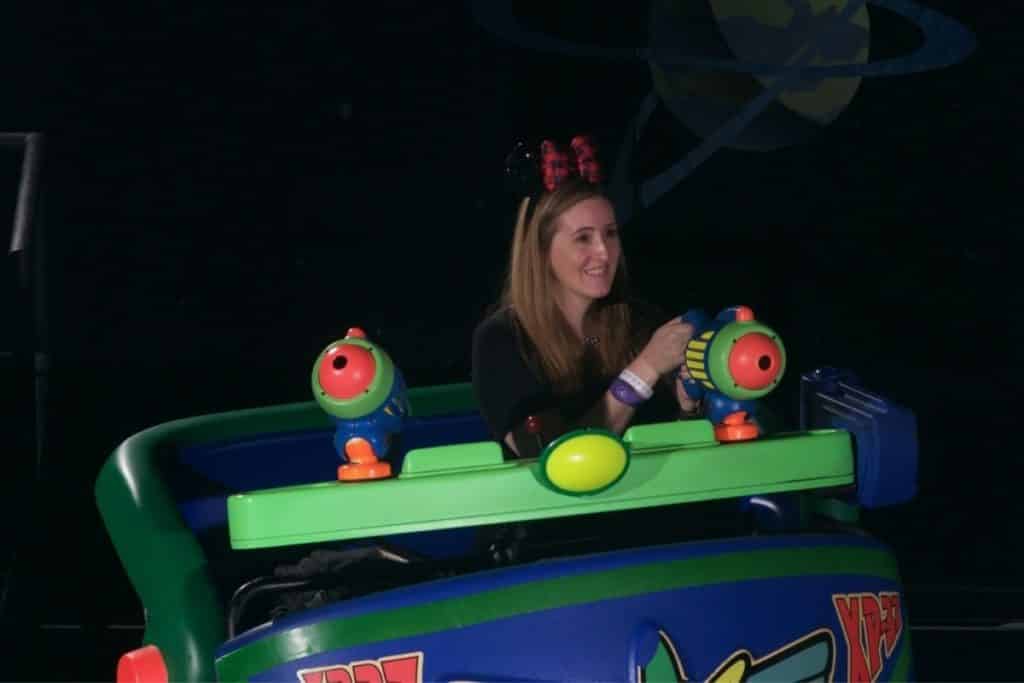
(566, 347)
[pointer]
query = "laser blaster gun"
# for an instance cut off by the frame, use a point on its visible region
(360, 388)
(732, 361)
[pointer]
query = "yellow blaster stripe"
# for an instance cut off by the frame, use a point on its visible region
(697, 345)
(709, 385)
(698, 375)
(695, 355)
(707, 335)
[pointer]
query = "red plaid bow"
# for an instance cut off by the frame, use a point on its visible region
(558, 163)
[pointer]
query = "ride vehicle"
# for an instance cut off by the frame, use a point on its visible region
(696, 556)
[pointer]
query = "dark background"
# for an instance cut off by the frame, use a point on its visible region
(228, 188)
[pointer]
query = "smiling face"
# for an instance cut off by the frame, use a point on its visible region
(584, 253)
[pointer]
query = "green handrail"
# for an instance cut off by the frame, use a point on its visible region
(161, 556)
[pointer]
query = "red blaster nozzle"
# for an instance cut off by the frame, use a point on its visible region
(755, 361)
(346, 371)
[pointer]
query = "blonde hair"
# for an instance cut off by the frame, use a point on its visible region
(529, 287)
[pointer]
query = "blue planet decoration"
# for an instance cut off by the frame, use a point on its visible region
(746, 74)
(813, 32)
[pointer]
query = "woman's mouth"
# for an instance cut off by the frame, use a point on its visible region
(597, 276)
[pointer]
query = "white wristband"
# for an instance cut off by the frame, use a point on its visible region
(639, 385)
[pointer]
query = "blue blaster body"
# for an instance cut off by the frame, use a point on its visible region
(732, 361)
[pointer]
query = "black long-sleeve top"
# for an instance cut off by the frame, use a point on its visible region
(510, 385)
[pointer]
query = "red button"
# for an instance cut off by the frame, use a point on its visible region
(145, 665)
(744, 314)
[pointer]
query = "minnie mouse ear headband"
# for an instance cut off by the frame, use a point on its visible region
(530, 172)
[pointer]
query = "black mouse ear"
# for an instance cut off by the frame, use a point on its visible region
(522, 170)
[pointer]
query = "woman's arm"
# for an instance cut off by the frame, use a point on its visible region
(507, 390)
(662, 355)
(611, 412)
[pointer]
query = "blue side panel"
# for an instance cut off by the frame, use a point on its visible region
(549, 569)
(781, 630)
(811, 628)
(884, 433)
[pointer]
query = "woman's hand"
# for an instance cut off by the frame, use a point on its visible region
(666, 349)
(688, 406)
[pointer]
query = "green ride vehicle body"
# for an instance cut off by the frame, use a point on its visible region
(806, 602)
